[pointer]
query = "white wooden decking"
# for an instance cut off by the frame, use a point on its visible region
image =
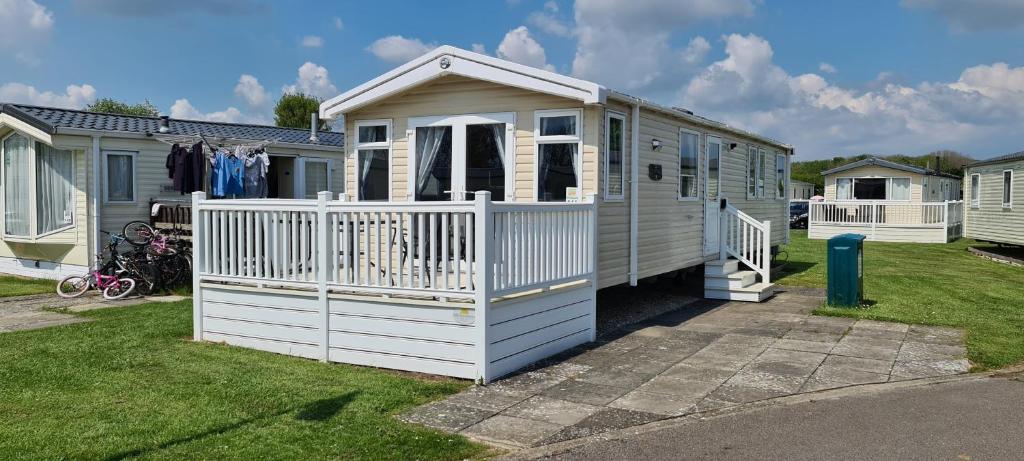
(467, 289)
(887, 221)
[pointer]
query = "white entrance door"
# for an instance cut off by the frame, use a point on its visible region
(712, 195)
(455, 156)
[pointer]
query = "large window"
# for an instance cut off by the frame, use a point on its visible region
(975, 190)
(36, 175)
(119, 176)
(373, 159)
(757, 166)
(688, 155)
(1007, 188)
(557, 133)
(872, 188)
(615, 140)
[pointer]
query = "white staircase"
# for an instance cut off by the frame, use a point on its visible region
(724, 279)
(743, 269)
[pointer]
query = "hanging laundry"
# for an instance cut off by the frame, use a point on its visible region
(198, 168)
(170, 161)
(257, 163)
(228, 174)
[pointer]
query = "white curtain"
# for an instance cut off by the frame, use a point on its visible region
(55, 189)
(120, 178)
(17, 168)
(428, 144)
(900, 189)
(498, 131)
(843, 189)
(366, 163)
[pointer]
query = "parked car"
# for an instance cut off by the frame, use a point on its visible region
(798, 214)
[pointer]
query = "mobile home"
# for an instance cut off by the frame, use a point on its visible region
(485, 203)
(69, 174)
(995, 211)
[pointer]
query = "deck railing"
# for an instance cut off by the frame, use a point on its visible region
(441, 250)
(746, 239)
(870, 216)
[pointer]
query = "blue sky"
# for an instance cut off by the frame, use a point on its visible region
(832, 78)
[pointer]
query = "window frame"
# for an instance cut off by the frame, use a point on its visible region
(300, 186)
(621, 196)
(782, 194)
(757, 183)
(135, 177)
(697, 167)
(33, 220)
(975, 200)
(888, 188)
(539, 140)
(378, 145)
(1007, 194)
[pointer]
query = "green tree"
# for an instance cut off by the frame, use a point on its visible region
(113, 106)
(293, 109)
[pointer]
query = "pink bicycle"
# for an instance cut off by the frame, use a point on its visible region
(112, 286)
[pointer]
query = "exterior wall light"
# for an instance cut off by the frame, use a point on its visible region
(655, 144)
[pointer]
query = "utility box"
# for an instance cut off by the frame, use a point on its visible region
(846, 270)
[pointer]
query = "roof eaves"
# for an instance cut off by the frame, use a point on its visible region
(19, 114)
(1016, 156)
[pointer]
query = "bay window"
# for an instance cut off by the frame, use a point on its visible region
(373, 160)
(35, 174)
(559, 142)
(873, 189)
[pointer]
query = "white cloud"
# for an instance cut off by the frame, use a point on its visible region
(479, 48)
(827, 68)
(312, 41)
(313, 80)
(548, 22)
(338, 24)
(74, 96)
(24, 25)
(249, 88)
(963, 15)
(630, 49)
(518, 46)
(979, 111)
(398, 49)
(183, 109)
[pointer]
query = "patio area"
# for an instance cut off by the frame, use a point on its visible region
(705, 356)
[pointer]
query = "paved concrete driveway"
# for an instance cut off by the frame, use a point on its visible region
(38, 311)
(707, 356)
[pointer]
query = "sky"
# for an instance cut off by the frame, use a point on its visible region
(829, 77)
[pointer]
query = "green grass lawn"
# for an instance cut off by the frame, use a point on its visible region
(131, 384)
(933, 284)
(19, 286)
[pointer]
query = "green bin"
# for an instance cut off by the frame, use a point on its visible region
(846, 270)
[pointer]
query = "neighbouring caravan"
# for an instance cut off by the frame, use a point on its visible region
(995, 211)
(68, 174)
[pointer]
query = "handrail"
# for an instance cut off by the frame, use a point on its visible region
(746, 239)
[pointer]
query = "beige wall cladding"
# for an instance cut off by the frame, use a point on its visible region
(990, 221)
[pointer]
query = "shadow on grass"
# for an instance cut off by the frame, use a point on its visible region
(319, 410)
(793, 268)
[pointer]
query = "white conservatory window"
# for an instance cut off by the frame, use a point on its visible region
(38, 175)
(559, 141)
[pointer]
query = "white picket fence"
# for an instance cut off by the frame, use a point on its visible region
(887, 220)
(393, 248)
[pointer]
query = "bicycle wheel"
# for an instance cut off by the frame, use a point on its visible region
(146, 275)
(72, 286)
(120, 289)
(138, 233)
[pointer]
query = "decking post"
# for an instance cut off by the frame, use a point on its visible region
(484, 283)
(198, 259)
(322, 251)
(723, 223)
(766, 252)
(592, 214)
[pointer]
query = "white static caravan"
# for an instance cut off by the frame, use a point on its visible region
(995, 211)
(69, 174)
(485, 203)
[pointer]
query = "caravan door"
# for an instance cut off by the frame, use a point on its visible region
(712, 195)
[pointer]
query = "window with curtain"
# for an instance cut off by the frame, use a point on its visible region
(558, 146)
(39, 187)
(120, 171)
(316, 179)
(17, 169)
(55, 191)
(780, 176)
(615, 140)
(714, 159)
(1007, 188)
(844, 189)
(688, 163)
(900, 189)
(751, 171)
(373, 154)
(485, 160)
(762, 169)
(975, 190)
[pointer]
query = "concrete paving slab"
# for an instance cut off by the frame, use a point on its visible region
(805, 346)
(785, 384)
(551, 410)
(935, 335)
(691, 372)
(663, 404)
(446, 416)
(679, 387)
(928, 368)
(860, 364)
(914, 351)
(485, 398)
(846, 375)
(736, 394)
(746, 340)
(617, 378)
(867, 347)
(526, 384)
(605, 420)
(816, 336)
(510, 430)
(583, 392)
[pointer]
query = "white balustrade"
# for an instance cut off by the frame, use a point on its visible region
(746, 239)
